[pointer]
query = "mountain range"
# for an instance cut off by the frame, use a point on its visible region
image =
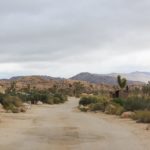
(110, 79)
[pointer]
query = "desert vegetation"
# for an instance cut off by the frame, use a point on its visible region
(14, 100)
(16, 96)
(124, 102)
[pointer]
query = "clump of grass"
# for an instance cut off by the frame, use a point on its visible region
(142, 116)
(9, 101)
(86, 100)
(133, 103)
(114, 109)
(119, 101)
(98, 106)
(137, 103)
(56, 98)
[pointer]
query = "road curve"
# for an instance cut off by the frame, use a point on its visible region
(62, 127)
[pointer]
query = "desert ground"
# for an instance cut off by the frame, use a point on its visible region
(63, 127)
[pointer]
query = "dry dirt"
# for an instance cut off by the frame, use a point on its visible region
(62, 127)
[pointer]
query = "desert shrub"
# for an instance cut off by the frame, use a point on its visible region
(15, 110)
(62, 97)
(11, 100)
(136, 103)
(119, 101)
(98, 106)
(119, 110)
(84, 109)
(78, 88)
(86, 100)
(11, 103)
(142, 116)
(57, 98)
(114, 109)
(50, 100)
(133, 103)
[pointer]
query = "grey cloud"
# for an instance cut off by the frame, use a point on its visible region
(55, 30)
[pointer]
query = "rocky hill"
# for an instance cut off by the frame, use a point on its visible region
(90, 81)
(47, 83)
(101, 79)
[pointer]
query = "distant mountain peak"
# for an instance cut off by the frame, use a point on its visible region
(100, 78)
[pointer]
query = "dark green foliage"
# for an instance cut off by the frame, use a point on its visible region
(59, 98)
(45, 97)
(86, 100)
(121, 82)
(36, 96)
(134, 103)
(119, 101)
(94, 102)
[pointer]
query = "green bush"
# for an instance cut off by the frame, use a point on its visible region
(133, 103)
(136, 103)
(43, 96)
(62, 97)
(97, 106)
(142, 116)
(86, 100)
(56, 98)
(119, 101)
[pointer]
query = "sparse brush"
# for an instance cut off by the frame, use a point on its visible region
(133, 103)
(98, 106)
(114, 109)
(142, 116)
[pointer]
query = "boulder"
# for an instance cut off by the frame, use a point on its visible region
(39, 103)
(26, 106)
(128, 114)
(9, 111)
(81, 106)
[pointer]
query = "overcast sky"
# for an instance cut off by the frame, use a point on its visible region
(65, 37)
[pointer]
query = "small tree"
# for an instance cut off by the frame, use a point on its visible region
(121, 82)
(78, 88)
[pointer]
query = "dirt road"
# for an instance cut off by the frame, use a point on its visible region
(62, 127)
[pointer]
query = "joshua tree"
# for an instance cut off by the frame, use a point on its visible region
(78, 88)
(121, 82)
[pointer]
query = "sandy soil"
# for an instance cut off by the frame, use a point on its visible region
(62, 127)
